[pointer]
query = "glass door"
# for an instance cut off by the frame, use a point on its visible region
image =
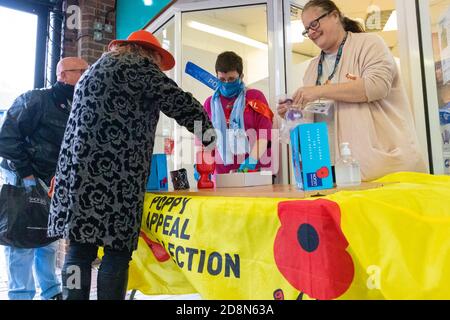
(197, 32)
(206, 34)
(435, 27)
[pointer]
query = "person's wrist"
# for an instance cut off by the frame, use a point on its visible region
(321, 91)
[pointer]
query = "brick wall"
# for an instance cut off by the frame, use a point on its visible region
(79, 40)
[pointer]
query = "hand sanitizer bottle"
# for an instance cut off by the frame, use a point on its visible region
(347, 168)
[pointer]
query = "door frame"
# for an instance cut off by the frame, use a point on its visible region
(429, 88)
(275, 39)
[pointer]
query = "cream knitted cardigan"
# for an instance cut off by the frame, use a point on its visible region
(381, 132)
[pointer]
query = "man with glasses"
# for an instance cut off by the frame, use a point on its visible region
(30, 139)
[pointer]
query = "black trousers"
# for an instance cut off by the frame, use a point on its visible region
(112, 278)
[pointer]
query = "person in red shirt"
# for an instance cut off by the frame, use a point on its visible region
(243, 118)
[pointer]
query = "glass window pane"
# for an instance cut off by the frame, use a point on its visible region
(18, 30)
(377, 16)
(206, 34)
(440, 28)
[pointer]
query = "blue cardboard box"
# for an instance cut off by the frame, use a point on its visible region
(311, 156)
(158, 179)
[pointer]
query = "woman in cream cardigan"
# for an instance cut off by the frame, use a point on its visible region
(371, 110)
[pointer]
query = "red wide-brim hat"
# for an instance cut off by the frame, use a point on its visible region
(148, 40)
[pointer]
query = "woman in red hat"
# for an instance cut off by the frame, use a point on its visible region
(105, 159)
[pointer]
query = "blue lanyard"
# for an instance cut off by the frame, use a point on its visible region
(338, 59)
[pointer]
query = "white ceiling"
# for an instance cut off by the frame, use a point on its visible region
(253, 20)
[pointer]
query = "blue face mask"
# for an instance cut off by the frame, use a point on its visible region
(230, 89)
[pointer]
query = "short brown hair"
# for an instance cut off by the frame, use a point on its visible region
(229, 61)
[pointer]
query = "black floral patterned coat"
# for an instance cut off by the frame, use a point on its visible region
(106, 152)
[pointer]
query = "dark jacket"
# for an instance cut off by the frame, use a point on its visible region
(106, 152)
(33, 129)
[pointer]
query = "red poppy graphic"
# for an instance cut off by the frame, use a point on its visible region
(163, 182)
(310, 248)
(323, 172)
(158, 250)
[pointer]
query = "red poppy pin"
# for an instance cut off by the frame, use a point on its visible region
(323, 172)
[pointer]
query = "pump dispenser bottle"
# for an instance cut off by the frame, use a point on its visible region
(347, 168)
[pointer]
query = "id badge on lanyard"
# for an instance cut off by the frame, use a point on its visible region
(338, 59)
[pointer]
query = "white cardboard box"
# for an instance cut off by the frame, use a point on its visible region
(250, 179)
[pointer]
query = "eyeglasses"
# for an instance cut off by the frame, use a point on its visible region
(314, 25)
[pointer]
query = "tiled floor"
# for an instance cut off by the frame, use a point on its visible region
(137, 296)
